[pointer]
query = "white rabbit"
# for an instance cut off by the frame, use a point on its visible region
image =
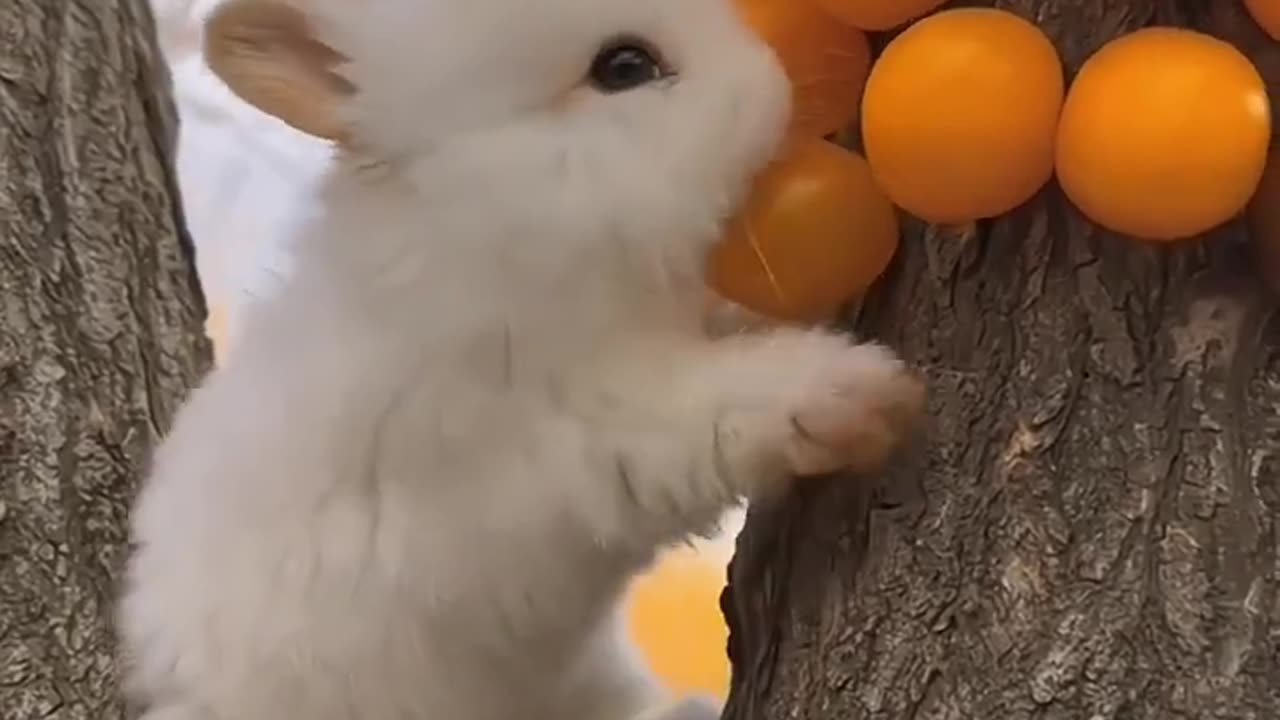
(483, 397)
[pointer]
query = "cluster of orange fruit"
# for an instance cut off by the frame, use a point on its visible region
(1163, 134)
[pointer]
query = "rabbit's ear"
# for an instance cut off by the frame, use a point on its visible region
(265, 52)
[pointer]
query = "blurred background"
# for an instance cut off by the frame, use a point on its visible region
(243, 176)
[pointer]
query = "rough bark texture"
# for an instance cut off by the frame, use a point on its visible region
(1087, 530)
(100, 333)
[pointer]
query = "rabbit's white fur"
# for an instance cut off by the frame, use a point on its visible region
(483, 398)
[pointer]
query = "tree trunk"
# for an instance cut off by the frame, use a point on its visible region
(1088, 528)
(100, 333)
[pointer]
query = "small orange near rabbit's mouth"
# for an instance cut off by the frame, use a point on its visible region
(814, 232)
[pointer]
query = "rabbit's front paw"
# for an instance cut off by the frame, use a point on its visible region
(854, 412)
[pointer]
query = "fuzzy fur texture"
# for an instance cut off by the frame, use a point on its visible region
(483, 397)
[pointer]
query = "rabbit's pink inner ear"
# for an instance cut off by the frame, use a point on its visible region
(264, 51)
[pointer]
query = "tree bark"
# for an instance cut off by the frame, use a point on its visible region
(100, 333)
(1087, 530)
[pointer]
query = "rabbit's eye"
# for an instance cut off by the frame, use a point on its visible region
(624, 65)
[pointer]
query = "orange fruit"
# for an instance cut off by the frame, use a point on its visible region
(959, 114)
(1267, 14)
(673, 614)
(877, 14)
(827, 62)
(1164, 134)
(815, 232)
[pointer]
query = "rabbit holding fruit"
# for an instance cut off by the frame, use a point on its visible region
(484, 397)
